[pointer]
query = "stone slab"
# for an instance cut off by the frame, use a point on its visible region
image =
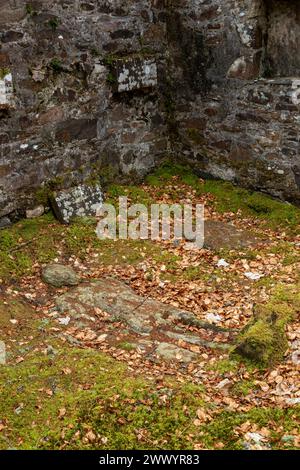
(219, 235)
(81, 201)
(113, 301)
(135, 73)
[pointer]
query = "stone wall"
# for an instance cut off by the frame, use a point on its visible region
(67, 120)
(110, 87)
(236, 112)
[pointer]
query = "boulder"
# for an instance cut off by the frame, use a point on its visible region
(58, 275)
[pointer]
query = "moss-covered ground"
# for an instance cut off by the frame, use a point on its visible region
(57, 395)
(85, 399)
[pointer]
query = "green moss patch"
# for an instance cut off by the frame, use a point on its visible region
(224, 427)
(32, 242)
(229, 198)
(84, 399)
(264, 339)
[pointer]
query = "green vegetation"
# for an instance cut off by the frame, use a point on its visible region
(27, 243)
(53, 23)
(41, 240)
(135, 194)
(3, 72)
(223, 427)
(224, 366)
(229, 198)
(243, 387)
(84, 399)
(30, 9)
(56, 65)
(47, 404)
(126, 346)
(111, 78)
(264, 339)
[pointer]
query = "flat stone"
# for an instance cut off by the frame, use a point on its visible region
(121, 303)
(135, 73)
(58, 275)
(170, 352)
(36, 212)
(193, 339)
(82, 201)
(219, 235)
(154, 327)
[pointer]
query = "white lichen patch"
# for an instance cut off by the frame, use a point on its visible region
(136, 74)
(6, 90)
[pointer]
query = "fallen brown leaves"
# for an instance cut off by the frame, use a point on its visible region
(195, 282)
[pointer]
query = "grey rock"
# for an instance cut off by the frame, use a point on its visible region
(58, 275)
(135, 73)
(122, 303)
(51, 351)
(170, 352)
(81, 201)
(36, 212)
(221, 235)
(5, 222)
(192, 339)
(2, 353)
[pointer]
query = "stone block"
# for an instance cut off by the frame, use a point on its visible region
(81, 201)
(6, 89)
(134, 73)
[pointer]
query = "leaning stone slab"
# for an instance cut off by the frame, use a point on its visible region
(58, 275)
(82, 201)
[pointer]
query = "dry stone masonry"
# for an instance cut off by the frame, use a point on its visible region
(91, 90)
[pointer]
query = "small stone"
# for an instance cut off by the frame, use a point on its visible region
(223, 384)
(2, 353)
(51, 351)
(222, 263)
(64, 321)
(296, 357)
(5, 222)
(58, 275)
(254, 276)
(213, 318)
(293, 401)
(36, 212)
(170, 352)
